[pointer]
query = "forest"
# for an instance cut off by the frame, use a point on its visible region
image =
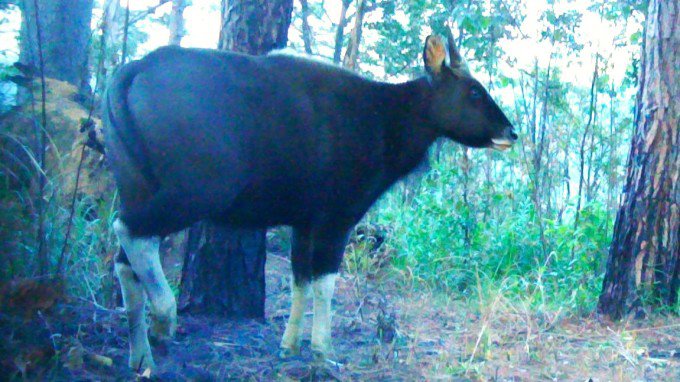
(557, 259)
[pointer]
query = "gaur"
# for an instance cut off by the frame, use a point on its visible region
(254, 142)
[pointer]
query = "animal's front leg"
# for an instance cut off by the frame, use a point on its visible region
(323, 288)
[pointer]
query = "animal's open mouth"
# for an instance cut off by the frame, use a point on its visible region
(501, 144)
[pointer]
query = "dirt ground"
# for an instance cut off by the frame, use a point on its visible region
(381, 332)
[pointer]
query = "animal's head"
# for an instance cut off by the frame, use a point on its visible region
(460, 107)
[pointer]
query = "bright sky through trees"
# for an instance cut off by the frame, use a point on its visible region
(594, 33)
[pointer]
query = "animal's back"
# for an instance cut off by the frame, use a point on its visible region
(275, 132)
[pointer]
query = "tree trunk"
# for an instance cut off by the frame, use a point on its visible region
(644, 265)
(224, 269)
(65, 38)
(352, 52)
(255, 27)
(55, 36)
(340, 31)
(114, 20)
(224, 272)
(582, 152)
(306, 29)
(176, 24)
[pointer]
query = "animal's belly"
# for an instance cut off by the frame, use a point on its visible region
(260, 207)
(265, 207)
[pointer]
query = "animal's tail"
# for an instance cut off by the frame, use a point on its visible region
(121, 121)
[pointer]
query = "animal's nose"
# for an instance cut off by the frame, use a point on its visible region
(510, 133)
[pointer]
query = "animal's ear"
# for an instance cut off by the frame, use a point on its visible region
(456, 60)
(434, 55)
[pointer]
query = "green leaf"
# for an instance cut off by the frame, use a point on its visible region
(636, 37)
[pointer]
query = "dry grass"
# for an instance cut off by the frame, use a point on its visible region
(382, 331)
(501, 340)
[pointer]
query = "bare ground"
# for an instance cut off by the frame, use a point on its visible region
(382, 331)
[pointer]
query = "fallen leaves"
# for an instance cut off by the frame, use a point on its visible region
(26, 297)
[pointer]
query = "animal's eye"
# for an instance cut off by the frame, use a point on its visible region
(475, 94)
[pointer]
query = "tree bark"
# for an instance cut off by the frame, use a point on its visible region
(352, 52)
(112, 28)
(255, 27)
(65, 34)
(224, 269)
(643, 267)
(176, 24)
(224, 272)
(340, 31)
(306, 29)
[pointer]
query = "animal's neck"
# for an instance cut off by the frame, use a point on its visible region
(408, 132)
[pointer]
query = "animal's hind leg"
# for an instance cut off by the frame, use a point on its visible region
(142, 253)
(134, 300)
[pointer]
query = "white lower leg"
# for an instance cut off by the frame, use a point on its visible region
(321, 329)
(134, 301)
(145, 261)
(290, 343)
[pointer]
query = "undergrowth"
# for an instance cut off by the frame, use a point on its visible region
(492, 244)
(89, 250)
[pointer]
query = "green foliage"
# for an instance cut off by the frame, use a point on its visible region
(89, 249)
(506, 222)
(478, 222)
(399, 46)
(88, 256)
(92, 247)
(505, 243)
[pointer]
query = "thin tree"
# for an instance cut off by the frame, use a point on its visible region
(176, 25)
(644, 257)
(352, 52)
(54, 43)
(340, 31)
(306, 29)
(582, 151)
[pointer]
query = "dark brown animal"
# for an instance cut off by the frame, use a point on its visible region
(260, 141)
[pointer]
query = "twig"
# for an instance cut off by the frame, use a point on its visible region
(87, 124)
(654, 328)
(49, 329)
(96, 305)
(71, 212)
(623, 352)
(42, 256)
(146, 12)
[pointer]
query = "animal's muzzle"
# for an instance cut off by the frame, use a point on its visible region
(506, 140)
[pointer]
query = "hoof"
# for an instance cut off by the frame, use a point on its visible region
(140, 362)
(289, 352)
(321, 354)
(163, 327)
